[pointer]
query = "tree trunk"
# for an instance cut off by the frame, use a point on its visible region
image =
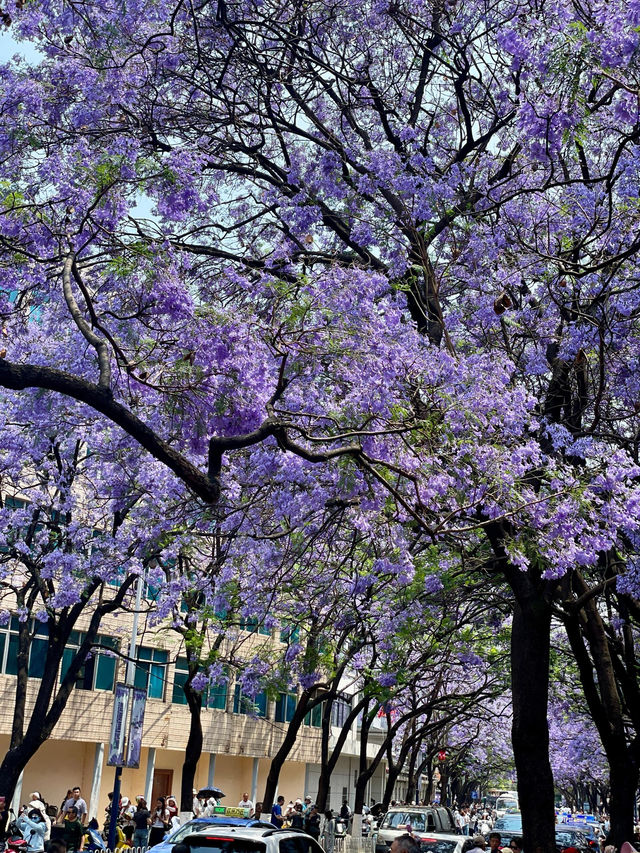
(193, 750)
(530, 644)
(588, 639)
(623, 776)
(303, 705)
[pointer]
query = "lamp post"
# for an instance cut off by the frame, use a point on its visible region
(129, 682)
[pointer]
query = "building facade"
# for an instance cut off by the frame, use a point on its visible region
(241, 734)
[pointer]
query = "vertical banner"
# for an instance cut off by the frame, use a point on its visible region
(134, 744)
(118, 726)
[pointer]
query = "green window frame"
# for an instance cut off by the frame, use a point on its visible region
(285, 707)
(314, 716)
(254, 705)
(150, 671)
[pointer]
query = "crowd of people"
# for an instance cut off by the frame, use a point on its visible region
(67, 829)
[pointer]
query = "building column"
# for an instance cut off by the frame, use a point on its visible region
(306, 781)
(96, 780)
(254, 780)
(148, 780)
(17, 795)
(212, 769)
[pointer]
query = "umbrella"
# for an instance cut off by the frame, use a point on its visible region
(205, 793)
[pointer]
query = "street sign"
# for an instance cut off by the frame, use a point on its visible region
(474, 795)
(115, 756)
(134, 742)
(125, 728)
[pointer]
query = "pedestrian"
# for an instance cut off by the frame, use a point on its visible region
(172, 808)
(276, 813)
(36, 802)
(312, 823)
(479, 844)
(159, 822)
(246, 802)
(127, 811)
(306, 806)
(297, 818)
(33, 828)
(73, 832)
(210, 808)
(516, 844)
(257, 815)
(329, 832)
(494, 842)
(67, 796)
(141, 821)
(78, 803)
(196, 806)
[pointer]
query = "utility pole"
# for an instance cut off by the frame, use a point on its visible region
(129, 681)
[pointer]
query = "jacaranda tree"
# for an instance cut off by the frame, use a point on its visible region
(387, 249)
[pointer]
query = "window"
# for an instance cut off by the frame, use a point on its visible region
(37, 651)
(98, 672)
(301, 844)
(286, 707)
(254, 626)
(340, 710)
(314, 716)
(215, 695)
(150, 671)
(254, 705)
(218, 844)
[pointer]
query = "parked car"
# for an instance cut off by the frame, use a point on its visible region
(200, 823)
(442, 843)
(251, 839)
(510, 823)
(424, 820)
(565, 837)
(590, 830)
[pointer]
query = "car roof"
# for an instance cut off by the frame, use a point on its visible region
(262, 831)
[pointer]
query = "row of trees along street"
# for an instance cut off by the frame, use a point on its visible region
(328, 316)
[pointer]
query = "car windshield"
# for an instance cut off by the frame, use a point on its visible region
(569, 839)
(438, 845)
(186, 829)
(217, 844)
(399, 820)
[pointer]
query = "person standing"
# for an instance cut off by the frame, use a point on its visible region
(159, 822)
(276, 813)
(329, 832)
(33, 828)
(245, 802)
(36, 802)
(141, 821)
(312, 823)
(73, 832)
(76, 802)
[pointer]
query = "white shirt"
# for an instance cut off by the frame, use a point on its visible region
(245, 804)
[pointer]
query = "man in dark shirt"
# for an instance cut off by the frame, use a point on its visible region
(73, 830)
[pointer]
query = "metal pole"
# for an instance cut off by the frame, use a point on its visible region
(115, 809)
(129, 681)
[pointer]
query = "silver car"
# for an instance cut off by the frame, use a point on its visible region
(427, 821)
(244, 839)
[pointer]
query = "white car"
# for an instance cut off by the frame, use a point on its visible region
(244, 839)
(425, 821)
(442, 842)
